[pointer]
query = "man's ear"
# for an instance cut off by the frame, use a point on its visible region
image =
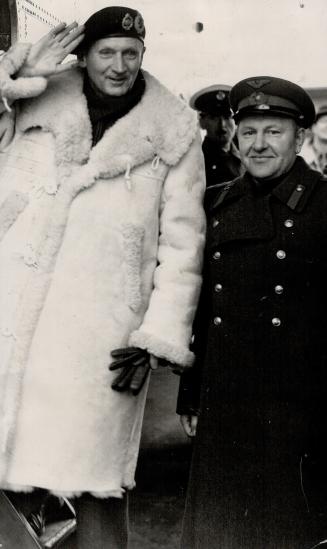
(300, 136)
(143, 52)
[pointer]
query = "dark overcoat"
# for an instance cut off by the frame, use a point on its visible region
(258, 475)
(221, 166)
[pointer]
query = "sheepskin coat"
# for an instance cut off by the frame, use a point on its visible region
(100, 248)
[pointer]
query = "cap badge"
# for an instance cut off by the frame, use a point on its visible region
(139, 23)
(259, 98)
(220, 95)
(258, 83)
(127, 22)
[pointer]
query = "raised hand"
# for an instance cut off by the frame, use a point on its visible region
(46, 56)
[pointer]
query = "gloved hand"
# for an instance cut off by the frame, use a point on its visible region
(134, 364)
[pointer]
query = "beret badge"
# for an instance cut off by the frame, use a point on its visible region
(139, 23)
(127, 22)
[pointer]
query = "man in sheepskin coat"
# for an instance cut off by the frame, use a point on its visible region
(102, 230)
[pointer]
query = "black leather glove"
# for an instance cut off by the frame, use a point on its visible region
(134, 364)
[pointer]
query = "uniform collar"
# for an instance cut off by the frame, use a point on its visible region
(294, 191)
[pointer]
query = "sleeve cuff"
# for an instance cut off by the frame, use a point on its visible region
(162, 349)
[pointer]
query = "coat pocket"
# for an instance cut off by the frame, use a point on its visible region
(133, 237)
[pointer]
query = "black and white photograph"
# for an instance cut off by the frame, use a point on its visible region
(163, 274)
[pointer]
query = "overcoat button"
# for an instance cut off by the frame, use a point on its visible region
(218, 288)
(217, 320)
(217, 255)
(289, 223)
(281, 254)
(300, 188)
(215, 223)
(214, 167)
(276, 321)
(279, 289)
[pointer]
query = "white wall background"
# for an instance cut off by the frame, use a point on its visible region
(240, 38)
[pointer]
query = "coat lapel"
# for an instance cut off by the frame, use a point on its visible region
(241, 216)
(159, 125)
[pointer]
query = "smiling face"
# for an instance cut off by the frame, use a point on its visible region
(113, 64)
(268, 145)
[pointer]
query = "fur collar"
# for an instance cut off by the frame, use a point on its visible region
(159, 125)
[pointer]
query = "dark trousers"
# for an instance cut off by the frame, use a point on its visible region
(101, 523)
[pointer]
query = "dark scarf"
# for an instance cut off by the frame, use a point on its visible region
(105, 110)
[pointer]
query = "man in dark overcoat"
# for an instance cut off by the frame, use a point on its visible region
(259, 468)
(221, 157)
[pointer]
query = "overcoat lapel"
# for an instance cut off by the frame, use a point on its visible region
(241, 216)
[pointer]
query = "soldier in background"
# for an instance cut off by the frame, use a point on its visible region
(221, 156)
(314, 149)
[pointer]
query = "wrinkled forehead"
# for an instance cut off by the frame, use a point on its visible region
(264, 121)
(117, 43)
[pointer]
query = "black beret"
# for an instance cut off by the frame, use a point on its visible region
(267, 95)
(212, 100)
(111, 21)
(322, 111)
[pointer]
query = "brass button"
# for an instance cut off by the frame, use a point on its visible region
(281, 254)
(289, 223)
(217, 320)
(214, 167)
(276, 321)
(279, 289)
(300, 188)
(217, 255)
(218, 288)
(215, 223)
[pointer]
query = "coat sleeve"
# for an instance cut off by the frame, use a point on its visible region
(188, 400)
(167, 325)
(13, 87)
